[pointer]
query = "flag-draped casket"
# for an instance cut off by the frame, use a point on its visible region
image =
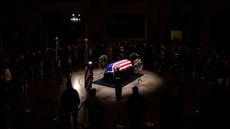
(125, 68)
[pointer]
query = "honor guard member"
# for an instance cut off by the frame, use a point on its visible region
(118, 83)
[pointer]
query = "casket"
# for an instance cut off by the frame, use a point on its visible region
(125, 67)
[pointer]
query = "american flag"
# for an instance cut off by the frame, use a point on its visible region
(123, 64)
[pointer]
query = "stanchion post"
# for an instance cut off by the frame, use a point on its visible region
(32, 73)
(182, 72)
(194, 73)
(90, 65)
(87, 68)
(56, 50)
(86, 61)
(86, 53)
(28, 110)
(41, 69)
(89, 76)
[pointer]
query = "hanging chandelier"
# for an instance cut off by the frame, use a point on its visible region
(75, 18)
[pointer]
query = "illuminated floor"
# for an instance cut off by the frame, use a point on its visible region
(115, 113)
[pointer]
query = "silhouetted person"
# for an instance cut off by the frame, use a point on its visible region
(118, 83)
(95, 110)
(135, 108)
(70, 101)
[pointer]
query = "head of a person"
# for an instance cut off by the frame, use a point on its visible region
(135, 90)
(92, 92)
(69, 83)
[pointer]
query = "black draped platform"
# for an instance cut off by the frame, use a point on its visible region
(131, 78)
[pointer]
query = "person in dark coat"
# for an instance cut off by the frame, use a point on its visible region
(70, 101)
(95, 110)
(135, 108)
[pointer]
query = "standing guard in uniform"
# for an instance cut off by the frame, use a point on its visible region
(118, 83)
(70, 101)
